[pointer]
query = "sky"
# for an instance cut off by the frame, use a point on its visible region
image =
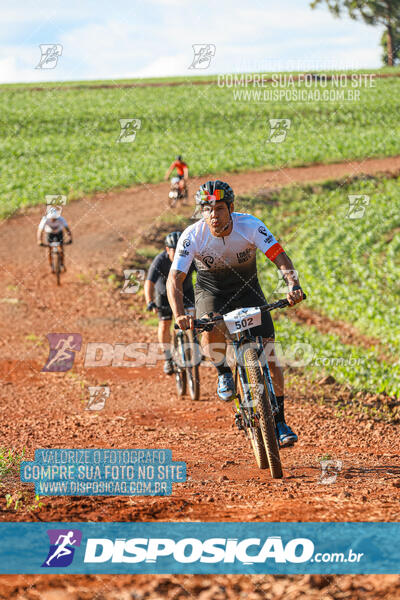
(117, 39)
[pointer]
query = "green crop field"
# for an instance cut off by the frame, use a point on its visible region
(350, 268)
(64, 141)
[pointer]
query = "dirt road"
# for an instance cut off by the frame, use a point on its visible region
(42, 410)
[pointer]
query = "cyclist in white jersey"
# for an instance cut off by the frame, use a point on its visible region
(223, 247)
(53, 225)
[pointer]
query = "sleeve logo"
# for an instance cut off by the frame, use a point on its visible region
(268, 236)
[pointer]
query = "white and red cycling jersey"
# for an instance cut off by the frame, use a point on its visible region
(225, 264)
(52, 226)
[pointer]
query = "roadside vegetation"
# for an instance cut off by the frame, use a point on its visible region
(65, 141)
(349, 268)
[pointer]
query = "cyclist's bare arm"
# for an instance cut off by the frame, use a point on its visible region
(67, 229)
(39, 236)
(185, 173)
(175, 298)
(149, 288)
(289, 274)
(169, 171)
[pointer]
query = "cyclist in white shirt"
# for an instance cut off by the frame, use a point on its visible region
(53, 225)
(223, 247)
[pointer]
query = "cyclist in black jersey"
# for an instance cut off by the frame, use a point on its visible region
(156, 294)
(223, 247)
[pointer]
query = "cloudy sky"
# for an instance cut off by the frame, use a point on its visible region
(113, 39)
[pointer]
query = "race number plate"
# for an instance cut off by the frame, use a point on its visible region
(242, 319)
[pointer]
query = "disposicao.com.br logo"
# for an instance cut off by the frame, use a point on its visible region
(213, 550)
(167, 552)
(190, 550)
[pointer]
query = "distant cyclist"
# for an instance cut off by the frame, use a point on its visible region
(53, 225)
(182, 171)
(156, 294)
(223, 246)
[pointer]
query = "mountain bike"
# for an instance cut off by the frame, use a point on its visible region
(255, 403)
(176, 193)
(186, 357)
(55, 255)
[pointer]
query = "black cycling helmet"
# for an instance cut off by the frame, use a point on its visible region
(179, 157)
(171, 240)
(220, 189)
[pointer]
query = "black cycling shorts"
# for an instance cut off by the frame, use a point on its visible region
(207, 302)
(55, 237)
(163, 308)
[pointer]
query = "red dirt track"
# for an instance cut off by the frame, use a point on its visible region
(44, 410)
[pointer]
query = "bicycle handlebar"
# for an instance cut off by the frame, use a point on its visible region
(207, 324)
(48, 245)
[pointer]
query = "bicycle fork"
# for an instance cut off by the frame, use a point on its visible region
(243, 418)
(267, 377)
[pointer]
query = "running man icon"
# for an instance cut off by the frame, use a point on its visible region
(62, 549)
(62, 351)
(60, 552)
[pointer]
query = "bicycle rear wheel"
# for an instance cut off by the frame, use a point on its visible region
(264, 409)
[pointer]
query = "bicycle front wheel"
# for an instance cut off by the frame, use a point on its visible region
(180, 371)
(192, 366)
(264, 410)
(255, 435)
(55, 261)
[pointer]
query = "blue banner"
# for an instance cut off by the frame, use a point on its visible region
(103, 472)
(204, 548)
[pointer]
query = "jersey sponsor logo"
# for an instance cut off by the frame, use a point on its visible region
(183, 253)
(244, 255)
(268, 236)
(186, 243)
(208, 260)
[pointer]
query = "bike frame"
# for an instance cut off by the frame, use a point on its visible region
(238, 340)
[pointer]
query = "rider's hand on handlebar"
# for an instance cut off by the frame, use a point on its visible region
(185, 322)
(295, 295)
(151, 306)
